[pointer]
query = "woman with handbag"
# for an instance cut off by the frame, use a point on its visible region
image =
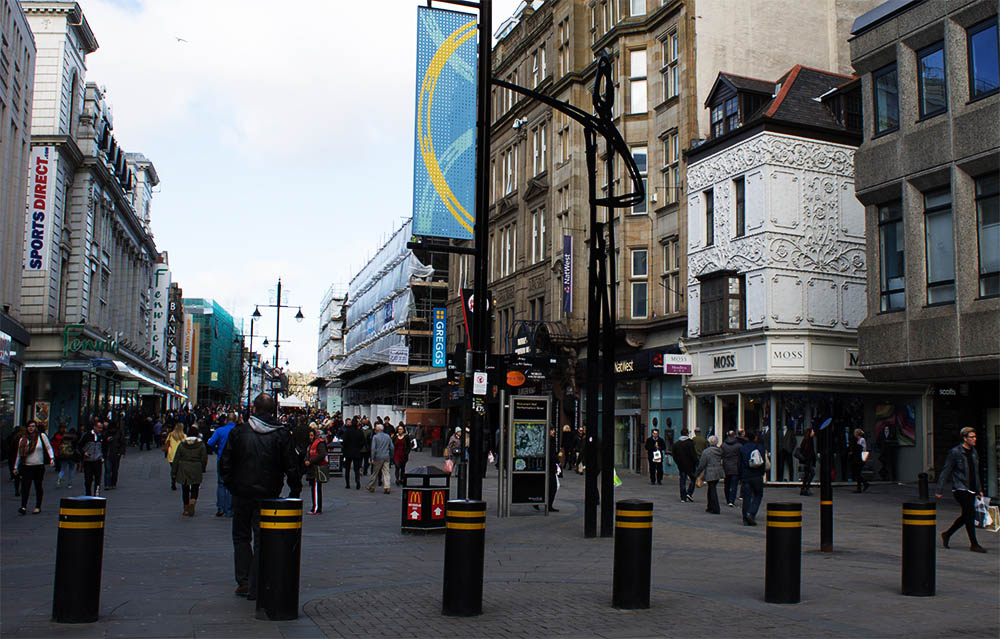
(453, 451)
(806, 454)
(30, 464)
(316, 470)
(710, 464)
(400, 452)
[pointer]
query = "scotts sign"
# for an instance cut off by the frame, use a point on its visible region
(75, 342)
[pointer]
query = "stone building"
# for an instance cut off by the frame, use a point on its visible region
(666, 56)
(86, 284)
(927, 173)
(776, 270)
(17, 70)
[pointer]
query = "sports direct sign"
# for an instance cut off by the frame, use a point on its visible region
(38, 227)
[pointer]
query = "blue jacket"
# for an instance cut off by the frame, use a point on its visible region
(217, 442)
(746, 472)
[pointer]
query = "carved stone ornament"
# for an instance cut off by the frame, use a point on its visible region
(771, 149)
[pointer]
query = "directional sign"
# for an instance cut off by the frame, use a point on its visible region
(437, 504)
(413, 506)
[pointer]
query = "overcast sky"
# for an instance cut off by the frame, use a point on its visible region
(282, 134)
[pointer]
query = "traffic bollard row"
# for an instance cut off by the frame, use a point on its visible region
(919, 535)
(464, 548)
(633, 554)
(280, 551)
(79, 554)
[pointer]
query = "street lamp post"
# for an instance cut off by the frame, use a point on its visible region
(254, 317)
(277, 328)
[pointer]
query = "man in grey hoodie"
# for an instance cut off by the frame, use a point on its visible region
(381, 454)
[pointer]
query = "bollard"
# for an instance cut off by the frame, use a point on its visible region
(633, 554)
(464, 542)
(783, 573)
(919, 535)
(922, 486)
(826, 491)
(280, 552)
(76, 597)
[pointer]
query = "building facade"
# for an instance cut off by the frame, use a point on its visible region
(87, 280)
(216, 372)
(17, 72)
(665, 58)
(777, 274)
(927, 173)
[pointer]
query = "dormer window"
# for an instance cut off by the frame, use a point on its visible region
(725, 116)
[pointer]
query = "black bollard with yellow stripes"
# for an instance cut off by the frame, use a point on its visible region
(783, 572)
(464, 547)
(79, 555)
(919, 535)
(280, 556)
(633, 554)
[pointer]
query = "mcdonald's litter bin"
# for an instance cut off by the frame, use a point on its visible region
(333, 454)
(426, 491)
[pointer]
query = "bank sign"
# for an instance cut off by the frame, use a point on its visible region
(38, 226)
(444, 155)
(439, 331)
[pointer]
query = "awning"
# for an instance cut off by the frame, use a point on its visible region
(318, 382)
(103, 364)
(125, 369)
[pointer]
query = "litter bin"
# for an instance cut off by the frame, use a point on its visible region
(424, 499)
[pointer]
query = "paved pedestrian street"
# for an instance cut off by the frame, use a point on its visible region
(171, 576)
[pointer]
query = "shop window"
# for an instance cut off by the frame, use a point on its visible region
(723, 298)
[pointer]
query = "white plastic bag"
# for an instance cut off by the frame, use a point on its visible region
(983, 517)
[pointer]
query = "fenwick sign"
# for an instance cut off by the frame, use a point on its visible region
(74, 342)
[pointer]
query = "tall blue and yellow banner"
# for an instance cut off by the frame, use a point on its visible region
(444, 156)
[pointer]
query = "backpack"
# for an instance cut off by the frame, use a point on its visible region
(756, 459)
(66, 448)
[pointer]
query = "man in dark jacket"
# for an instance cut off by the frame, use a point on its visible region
(731, 466)
(687, 460)
(655, 450)
(258, 458)
(753, 464)
(353, 443)
(962, 468)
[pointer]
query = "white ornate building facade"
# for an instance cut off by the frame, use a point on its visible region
(777, 266)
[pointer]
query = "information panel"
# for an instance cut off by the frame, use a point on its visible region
(529, 443)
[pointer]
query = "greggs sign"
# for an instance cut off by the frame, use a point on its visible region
(38, 225)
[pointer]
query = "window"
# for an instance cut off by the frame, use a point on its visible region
(493, 256)
(718, 126)
(892, 265)
(886, 99)
(984, 59)
(564, 47)
(539, 145)
(637, 81)
(640, 155)
(493, 181)
(670, 85)
(709, 218)
(534, 68)
(988, 222)
(672, 156)
(510, 170)
(672, 292)
(940, 246)
(638, 7)
(739, 186)
(722, 301)
(930, 80)
(732, 113)
(538, 241)
(640, 271)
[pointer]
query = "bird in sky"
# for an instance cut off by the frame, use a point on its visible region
(179, 39)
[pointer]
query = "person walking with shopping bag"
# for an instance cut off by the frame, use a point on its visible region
(34, 453)
(962, 468)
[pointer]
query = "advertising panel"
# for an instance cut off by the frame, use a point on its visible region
(41, 194)
(567, 279)
(444, 156)
(439, 345)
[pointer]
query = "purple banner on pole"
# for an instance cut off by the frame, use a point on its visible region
(567, 280)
